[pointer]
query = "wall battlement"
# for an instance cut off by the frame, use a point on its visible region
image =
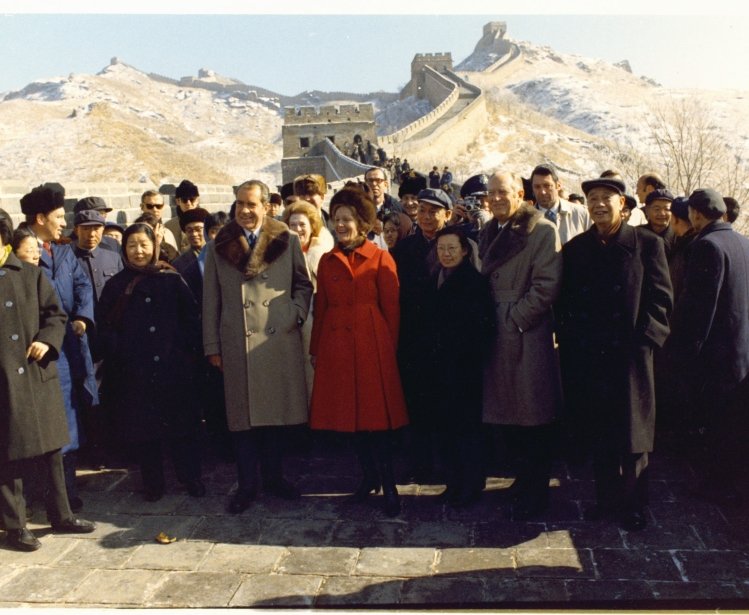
(363, 112)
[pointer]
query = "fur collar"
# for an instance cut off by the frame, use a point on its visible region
(496, 248)
(231, 244)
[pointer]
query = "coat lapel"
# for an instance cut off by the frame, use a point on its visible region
(500, 247)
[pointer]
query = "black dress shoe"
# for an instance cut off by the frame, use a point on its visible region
(74, 525)
(282, 489)
(633, 521)
(241, 501)
(195, 488)
(22, 540)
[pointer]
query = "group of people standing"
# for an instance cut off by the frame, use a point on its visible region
(543, 321)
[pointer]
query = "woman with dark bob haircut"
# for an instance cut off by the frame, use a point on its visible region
(149, 340)
(357, 387)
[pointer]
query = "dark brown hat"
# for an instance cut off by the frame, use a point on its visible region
(193, 215)
(359, 201)
(41, 200)
(412, 183)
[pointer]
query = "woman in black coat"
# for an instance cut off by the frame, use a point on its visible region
(33, 427)
(149, 338)
(463, 325)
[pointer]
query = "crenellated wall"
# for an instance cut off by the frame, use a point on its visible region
(325, 159)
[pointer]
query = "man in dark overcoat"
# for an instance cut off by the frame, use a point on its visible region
(612, 312)
(32, 415)
(709, 343)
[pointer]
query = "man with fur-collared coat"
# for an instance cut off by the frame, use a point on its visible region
(256, 294)
(520, 254)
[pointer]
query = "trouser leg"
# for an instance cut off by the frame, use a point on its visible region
(634, 481)
(69, 464)
(185, 455)
(57, 504)
(272, 441)
(246, 455)
(151, 465)
(12, 502)
(532, 447)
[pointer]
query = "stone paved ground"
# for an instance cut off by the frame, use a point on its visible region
(322, 552)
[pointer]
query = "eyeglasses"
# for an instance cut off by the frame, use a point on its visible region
(375, 180)
(154, 205)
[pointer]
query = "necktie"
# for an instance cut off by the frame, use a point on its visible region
(550, 214)
(47, 247)
(252, 239)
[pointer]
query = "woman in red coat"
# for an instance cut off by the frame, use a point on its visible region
(357, 387)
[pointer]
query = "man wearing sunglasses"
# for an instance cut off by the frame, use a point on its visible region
(153, 203)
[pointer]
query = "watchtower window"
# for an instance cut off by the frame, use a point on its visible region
(303, 141)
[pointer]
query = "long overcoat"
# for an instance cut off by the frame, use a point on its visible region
(710, 335)
(463, 331)
(32, 413)
(354, 339)
(253, 304)
(612, 312)
(524, 265)
(149, 340)
(75, 365)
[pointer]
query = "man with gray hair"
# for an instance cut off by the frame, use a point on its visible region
(521, 255)
(256, 294)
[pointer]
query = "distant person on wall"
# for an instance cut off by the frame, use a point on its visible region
(187, 197)
(446, 180)
(570, 218)
(152, 202)
(434, 178)
(32, 411)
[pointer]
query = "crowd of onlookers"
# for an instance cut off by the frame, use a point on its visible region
(558, 322)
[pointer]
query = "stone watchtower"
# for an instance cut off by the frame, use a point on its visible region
(438, 61)
(305, 127)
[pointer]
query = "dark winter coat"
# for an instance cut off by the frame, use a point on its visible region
(100, 264)
(32, 413)
(612, 312)
(709, 342)
(150, 353)
(75, 365)
(463, 329)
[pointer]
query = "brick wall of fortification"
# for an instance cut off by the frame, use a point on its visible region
(342, 122)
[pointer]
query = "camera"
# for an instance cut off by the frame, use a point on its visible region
(472, 204)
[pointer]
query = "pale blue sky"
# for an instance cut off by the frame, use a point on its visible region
(359, 53)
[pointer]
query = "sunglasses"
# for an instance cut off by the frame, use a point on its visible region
(155, 206)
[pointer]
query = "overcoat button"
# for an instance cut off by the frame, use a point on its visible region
(8, 304)
(156, 359)
(2, 272)
(21, 370)
(271, 330)
(148, 299)
(14, 337)
(152, 328)
(266, 303)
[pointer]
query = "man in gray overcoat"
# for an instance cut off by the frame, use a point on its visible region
(520, 254)
(256, 294)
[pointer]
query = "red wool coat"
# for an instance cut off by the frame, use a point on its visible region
(357, 386)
